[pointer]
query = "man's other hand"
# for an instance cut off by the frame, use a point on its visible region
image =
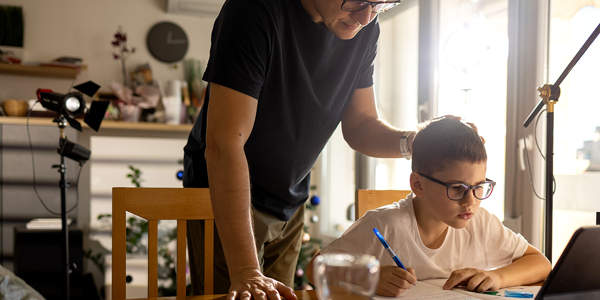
(468, 123)
(252, 284)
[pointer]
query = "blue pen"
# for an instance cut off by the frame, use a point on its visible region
(517, 294)
(389, 250)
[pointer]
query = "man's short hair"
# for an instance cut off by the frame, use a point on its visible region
(440, 142)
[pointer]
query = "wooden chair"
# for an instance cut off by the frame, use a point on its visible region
(371, 199)
(155, 204)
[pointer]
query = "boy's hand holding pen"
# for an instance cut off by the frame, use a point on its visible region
(393, 280)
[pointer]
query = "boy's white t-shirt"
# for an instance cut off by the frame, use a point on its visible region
(484, 244)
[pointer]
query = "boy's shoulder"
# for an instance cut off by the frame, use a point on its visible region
(391, 220)
(399, 211)
(483, 217)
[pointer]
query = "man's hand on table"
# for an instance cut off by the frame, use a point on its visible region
(252, 284)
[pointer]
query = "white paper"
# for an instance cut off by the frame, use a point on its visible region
(424, 290)
(432, 289)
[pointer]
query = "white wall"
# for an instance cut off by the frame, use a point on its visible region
(85, 29)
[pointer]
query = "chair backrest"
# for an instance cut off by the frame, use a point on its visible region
(155, 204)
(371, 199)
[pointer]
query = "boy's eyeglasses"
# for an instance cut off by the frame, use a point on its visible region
(376, 7)
(457, 191)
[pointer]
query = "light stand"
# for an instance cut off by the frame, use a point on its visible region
(62, 169)
(81, 155)
(550, 94)
(68, 106)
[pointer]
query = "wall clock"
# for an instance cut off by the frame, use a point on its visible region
(167, 42)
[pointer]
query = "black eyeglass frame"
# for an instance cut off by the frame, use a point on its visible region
(471, 187)
(373, 4)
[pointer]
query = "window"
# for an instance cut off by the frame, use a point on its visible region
(472, 82)
(576, 123)
(396, 85)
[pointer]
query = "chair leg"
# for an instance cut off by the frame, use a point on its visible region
(181, 249)
(209, 240)
(118, 242)
(152, 259)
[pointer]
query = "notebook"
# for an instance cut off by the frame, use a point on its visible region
(576, 274)
(432, 289)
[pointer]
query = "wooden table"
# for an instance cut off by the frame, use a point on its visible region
(302, 295)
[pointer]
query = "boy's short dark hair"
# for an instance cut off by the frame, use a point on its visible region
(442, 141)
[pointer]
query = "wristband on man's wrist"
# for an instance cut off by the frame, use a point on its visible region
(404, 150)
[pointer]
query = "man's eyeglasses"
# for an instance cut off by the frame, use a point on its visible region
(457, 191)
(376, 7)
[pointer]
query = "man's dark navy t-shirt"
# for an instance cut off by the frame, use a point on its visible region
(303, 78)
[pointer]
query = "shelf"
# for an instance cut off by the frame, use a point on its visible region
(41, 71)
(140, 129)
(115, 128)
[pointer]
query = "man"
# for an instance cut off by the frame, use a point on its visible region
(282, 75)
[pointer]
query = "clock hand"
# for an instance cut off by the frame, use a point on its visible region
(171, 41)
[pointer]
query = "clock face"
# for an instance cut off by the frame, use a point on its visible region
(167, 42)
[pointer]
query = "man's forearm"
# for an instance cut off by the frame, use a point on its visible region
(230, 197)
(377, 139)
(365, 132)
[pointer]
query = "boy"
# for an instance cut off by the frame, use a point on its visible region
(439, 231)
